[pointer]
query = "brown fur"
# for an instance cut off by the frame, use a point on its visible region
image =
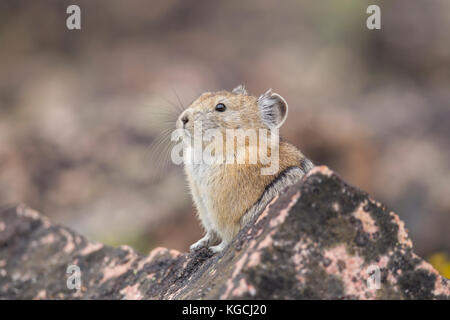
(237, 187)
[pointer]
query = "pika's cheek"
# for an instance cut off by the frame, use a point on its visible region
(229, 122)
(204, 122)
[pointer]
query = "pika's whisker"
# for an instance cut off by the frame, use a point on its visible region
(181, 106)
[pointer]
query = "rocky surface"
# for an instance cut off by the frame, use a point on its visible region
(320, 239)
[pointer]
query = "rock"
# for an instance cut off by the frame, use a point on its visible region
(320, 239)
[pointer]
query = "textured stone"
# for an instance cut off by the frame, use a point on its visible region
(320, 239)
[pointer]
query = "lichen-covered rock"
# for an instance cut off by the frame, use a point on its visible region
(320, 239)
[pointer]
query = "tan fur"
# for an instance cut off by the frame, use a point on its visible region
(223, 193)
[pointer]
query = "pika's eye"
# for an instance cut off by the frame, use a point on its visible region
(220, 107)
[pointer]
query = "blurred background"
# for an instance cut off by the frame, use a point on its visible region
(79, 109)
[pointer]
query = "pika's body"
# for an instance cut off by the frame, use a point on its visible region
(228, 195)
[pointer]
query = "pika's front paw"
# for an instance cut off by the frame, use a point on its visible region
(203, 242)
(218, 248)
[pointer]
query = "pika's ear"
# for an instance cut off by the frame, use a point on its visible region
(273, 109)
(240, 89)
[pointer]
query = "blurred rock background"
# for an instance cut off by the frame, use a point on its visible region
(80, 109)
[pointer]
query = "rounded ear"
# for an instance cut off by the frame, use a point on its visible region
(273, 109)
(240, 89)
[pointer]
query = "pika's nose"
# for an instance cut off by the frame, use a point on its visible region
(185, 120)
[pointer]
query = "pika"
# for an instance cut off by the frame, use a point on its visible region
(228, 195)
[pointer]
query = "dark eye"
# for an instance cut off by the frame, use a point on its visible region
(220, 107)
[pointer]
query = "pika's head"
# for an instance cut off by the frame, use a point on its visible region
(234, 110)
